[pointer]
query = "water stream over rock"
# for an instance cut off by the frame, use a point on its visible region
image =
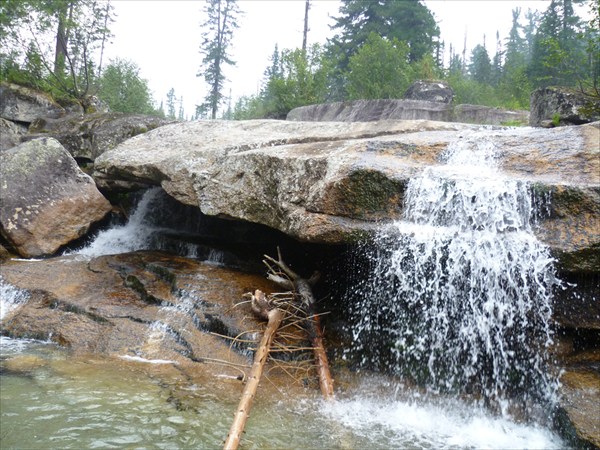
(460, 293)
(455, 307)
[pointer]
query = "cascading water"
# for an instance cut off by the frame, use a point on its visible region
(460, 292)
(136, 234)
(10, 298)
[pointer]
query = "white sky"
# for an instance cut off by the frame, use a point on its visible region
(163, 37)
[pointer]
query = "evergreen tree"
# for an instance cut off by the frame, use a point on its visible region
(220, 23)
(497, 68)
(180, 115)
(592, 45)
(408, 21)
(480, 67)
(558, 50)
(171, 104)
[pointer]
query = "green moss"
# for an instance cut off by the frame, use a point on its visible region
(368, 194)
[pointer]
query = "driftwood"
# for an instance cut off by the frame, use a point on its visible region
(260, 306)
(291, 280)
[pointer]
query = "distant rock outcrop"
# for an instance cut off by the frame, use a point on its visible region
(374, 110)
(27, 114)
(46, 201)
(431, 91)
(24, 105)
(553, 106)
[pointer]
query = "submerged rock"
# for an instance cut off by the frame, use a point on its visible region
(147, 305)
(46, 201)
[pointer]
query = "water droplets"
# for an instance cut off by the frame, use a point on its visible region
(461, 288)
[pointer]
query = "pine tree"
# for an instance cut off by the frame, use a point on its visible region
(67, 38)
(220, 23)
(480, 67)
(558, 50)
(408, 21)
(171, 104)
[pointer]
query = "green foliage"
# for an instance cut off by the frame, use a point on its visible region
(379, 69)
(480, 67)
(410, 22)
(294, 78)
(558, 54)
(407, 21)
(556, 119)
(123, 89)
(48, 44)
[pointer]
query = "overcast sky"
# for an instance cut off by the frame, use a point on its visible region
(163, 37)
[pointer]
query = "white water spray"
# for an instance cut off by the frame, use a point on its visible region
(136, 234)
(460, 296)
(10, 298)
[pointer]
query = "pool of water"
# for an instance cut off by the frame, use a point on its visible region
(53, 400)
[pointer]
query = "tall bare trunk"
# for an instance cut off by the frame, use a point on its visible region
(305, 34)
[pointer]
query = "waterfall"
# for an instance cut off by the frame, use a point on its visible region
(136, 234)
(459, 294)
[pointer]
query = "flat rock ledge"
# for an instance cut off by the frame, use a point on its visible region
(333, 182)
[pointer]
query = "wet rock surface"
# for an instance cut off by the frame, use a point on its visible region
(580, 393)
(149, 305)
(46, 200)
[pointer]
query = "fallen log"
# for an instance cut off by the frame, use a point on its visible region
(315, 333)
(274, 316)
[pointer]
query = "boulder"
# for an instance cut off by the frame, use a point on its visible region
(88, 136)
(46, 201)
(553, 106)
(331, 182)
(431, 91)
(10, 134)
(374, 110)
(22, 104)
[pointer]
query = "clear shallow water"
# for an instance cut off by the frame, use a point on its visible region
(53, 400)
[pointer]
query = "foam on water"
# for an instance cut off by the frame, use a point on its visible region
(412, 424)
